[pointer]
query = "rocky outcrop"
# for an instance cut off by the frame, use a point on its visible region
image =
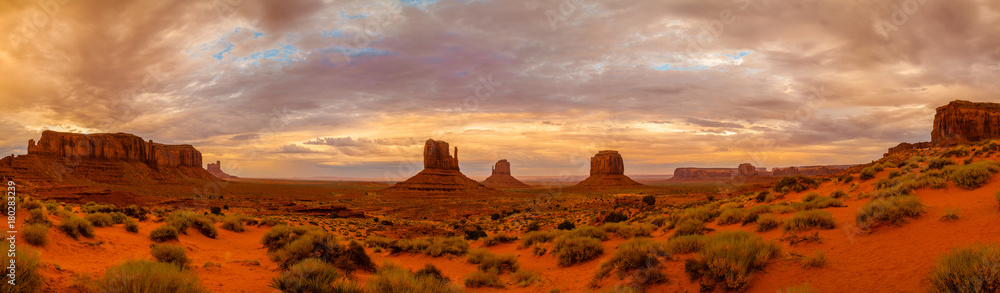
(113, 147)
(607, 169)
(111, 158)
(703, 174)
(501, 177)
(216, 170)
(962, 122)
(809, 170)
(440, 175)
(905, 146)
(746, 170)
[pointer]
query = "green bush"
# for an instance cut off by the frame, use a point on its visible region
(810, 219)
(137, 212)
(689, 227)
(497, 239)
(131, 225)
(281, 235)
(430, 270)
(767, 222)
(390, 279)
(640, 254)
(38, 215)
(313, 275)
(588, 231)
(376, 241)
(170, 253)
(570, 250)
(479, 279)
(796, 183)
(290, 245)
(36, 234)
(205, 225)
(973, 175)
(149, 276)
(625, 230)
(477, 256)
(685, 244)
(731, 257)
(163, 233)
(100, 219)
(29, 273)
(939, 162)
(118, 217)
(968, 269)
(732, 216)
(531, 238)
(815, 260)
(233, 223)
(702, 214)
(818, 202)
(75, 227)
(892, 210)
(524, 278)
(868, 172)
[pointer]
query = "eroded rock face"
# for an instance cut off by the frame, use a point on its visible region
(437, 156)
(216, 170)
(607, 163)
(501, 177)
(962, 122)
(746, 170)
(113, 147)
(607, 169)
(695, 174)
(440, 174)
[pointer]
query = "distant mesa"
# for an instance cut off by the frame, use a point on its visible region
(501, 177)
(703, 174)
(809, 170)
(440, 175)
(746, 170)
(112, 158)
(749, 171)
(607, 169)
(216, 170)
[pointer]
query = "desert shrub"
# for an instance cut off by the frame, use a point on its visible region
(498, 263)
(939, 163)
(702, 214)
(479, 279)
(815, 260)
(306, 242)
(36, 234)
(140, 213)
(649, 199)
(685, 244)
(767, 222)
(968, 269)
(659, 221)
(37, 216)
(281, 235)
(817, 202)
(376, 241)
(629, 230)
(838, 194)
(731, 257)
(524, 278)
(588, 231)
(892, 210)
(92, 207)
(958, 151)
(810, 219)
(476, 256)
(782, 209)
(796, 183)
(313, 275)
(180, 221)
(949, 215)
(531, 238)
(973, 175)
(570, 250)
(761, 209)
(615, 217)
(391, 278)
(131, 225)
(163, 233)
(636, 254)
(810, 196)
(868, 172)
(894, 173)
(271, 222)
(761, 196)
(148, 276)
(118, 217)
(497, 239)
(215, 210)
(170, 253)
(438, 246)
(732, 216)
(29, 273)
(566, 225)
(233, 223)
(75, 227)
(689, 227)
(205, 225)
(430, 270)
(474, 235)
(100, 219)
(533, 226)
(846, 178)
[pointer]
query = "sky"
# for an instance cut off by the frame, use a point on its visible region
(343, 88)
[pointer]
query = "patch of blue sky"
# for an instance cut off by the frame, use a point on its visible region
(356, 16)
(333, 34)
(666, 67)
(738, 56)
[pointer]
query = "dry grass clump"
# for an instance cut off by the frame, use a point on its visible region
(313, 275)
(632, 230)
(810, 219)
(148, 276)
(731, 258)
(685, 244)
(892, 210)
(75, 227)
(968, 269)
(639, 254)
(497, 239)
(572, 249)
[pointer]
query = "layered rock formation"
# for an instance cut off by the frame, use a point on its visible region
(962, 122)
(809, 170)
(501, 177)
(746, 170)
(703, 174)
(112, 158)
(607, 169)
(216, 170)
(905, 146)
(440, 175)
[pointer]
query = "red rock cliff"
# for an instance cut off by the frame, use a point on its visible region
(436, 156)
(962, 122)
(607, 163)
(502, 167)
(746, 170)
(114, 147)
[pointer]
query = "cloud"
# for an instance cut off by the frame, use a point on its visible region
(294, 149)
